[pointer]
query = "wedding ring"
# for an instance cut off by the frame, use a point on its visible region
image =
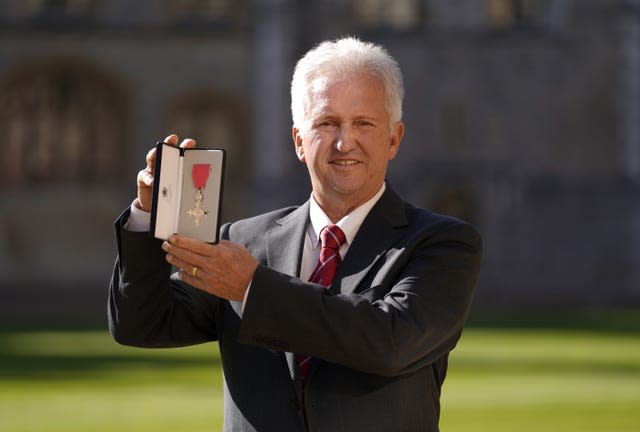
(194, 271)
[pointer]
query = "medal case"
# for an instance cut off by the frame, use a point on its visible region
(187, 192)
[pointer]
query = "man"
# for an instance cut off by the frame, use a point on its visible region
(364, 346)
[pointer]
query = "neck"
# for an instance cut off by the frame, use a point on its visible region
(337, 208)
(336, 213)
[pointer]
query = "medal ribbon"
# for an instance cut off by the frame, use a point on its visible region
(200, 174)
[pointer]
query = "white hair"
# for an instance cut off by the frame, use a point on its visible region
(340, 58)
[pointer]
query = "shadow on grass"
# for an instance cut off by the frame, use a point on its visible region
(598, 320)
(579, 366)
(31, 354)
(56, 367)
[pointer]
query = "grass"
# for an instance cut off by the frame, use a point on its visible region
(79, 381)
(543, 380)
(500, 379)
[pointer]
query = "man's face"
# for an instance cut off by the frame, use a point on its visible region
(348, 142)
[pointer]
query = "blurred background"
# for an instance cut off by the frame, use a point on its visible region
(522, 117)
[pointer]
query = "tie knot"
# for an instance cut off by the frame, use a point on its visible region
(332, 237)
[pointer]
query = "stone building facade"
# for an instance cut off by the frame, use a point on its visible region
(522, 116)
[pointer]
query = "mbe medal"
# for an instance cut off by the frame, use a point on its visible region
(200, 174)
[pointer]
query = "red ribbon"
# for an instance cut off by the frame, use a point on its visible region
(200, 173)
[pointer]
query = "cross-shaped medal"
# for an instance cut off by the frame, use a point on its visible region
(197, 212)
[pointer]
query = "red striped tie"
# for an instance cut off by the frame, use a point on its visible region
(331, 238)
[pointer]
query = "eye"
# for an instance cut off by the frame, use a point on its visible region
(327, 124)
(364, 123)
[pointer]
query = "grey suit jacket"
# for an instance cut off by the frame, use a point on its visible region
(380, 335)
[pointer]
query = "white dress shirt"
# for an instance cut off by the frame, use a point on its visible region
(350, 224)
(139, 220)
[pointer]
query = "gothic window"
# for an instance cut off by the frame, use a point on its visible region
(395, 15)
(517, 14)
(64, 121)
(205, 11)
(69, 8)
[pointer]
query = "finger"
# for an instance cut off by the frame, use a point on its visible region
(145, 178)
(197, 246)
(183, 258)
(188, 143)
(186, 273)
(151, 159)
(196, 281)
(194, 272)
(171, 139)
(180, 263)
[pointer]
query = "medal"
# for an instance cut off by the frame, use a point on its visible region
(200, 174)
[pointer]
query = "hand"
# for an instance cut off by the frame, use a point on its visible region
(224, 269)
(145, 176)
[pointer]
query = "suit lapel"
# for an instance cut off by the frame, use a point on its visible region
(379, 231)
(285, 242)
(284, 253)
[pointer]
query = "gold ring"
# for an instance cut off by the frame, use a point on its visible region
(194, 271)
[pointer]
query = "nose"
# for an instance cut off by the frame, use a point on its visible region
(346, 140)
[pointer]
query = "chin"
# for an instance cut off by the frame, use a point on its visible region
(349, 191)
(346, 187)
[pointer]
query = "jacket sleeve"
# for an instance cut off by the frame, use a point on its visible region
(408, 315)
(149, 308)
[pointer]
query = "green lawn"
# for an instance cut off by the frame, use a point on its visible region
(499, 380)
(543, 380)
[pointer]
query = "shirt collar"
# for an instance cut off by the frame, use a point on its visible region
(350, 224)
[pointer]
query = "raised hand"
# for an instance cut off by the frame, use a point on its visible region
(145, 176)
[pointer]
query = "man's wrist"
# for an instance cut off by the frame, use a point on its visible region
(139, 220)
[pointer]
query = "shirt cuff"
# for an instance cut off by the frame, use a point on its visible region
(246, 296)
(139, 220)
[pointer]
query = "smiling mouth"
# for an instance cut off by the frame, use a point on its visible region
(345, 162)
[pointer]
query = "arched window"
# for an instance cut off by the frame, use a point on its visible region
(394, 15)
(203, 9)
(207, 15)
(63, 121)
(518, 14)
(55, 9)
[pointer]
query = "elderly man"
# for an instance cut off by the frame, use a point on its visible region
(337, 315)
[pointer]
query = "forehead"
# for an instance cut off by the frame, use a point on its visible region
(360, 92)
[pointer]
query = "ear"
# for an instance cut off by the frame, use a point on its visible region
(394, 142)
(297, 142)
